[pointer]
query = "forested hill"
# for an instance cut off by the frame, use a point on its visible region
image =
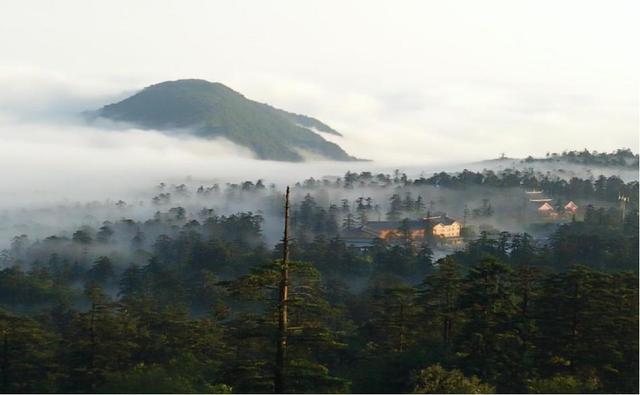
(214, 110)
(623, 157)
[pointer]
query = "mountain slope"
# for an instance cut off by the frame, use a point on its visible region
(214, 110)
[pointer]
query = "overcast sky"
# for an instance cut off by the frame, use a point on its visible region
(404, 81)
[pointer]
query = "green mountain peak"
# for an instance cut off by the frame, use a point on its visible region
(211, 109)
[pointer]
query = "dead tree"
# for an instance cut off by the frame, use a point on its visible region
(5, 361)
(279, 381)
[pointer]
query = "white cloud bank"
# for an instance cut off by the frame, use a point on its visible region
(408, 84)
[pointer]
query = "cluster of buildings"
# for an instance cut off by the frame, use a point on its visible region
(440, 227)
(545, 209)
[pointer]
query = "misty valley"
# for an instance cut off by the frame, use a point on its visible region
(310, 197)
(515, 276)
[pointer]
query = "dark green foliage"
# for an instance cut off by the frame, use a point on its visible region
(333, 258)
(620, 157)
(184, 374)
(440, 298)
(27, 291)
(27, 356)
(588, 326)
(436, 380)
(598, 242)
(487, 342)
(563, 384)
(101, 272)
(314, 332)
(192, 308)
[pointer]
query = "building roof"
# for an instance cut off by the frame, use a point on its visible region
(435, 215)
(571, 206)
(359, 243)
(546, 207)
(444, 220)
(395, 225)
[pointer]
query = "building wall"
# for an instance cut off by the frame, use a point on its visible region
(415, 234)
(439, 230)
(452, 230)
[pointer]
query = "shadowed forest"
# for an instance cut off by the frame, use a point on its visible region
(179, 292)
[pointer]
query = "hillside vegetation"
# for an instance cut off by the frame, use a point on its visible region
(621, 157)
(213, 110)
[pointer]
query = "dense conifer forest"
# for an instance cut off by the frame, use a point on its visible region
(186, 298)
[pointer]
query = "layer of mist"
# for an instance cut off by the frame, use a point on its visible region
(60, 173)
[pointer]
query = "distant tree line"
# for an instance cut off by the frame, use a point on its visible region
(623, 157)
(602, 188)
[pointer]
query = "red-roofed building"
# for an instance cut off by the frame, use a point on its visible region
(571, 207)
(546, 208)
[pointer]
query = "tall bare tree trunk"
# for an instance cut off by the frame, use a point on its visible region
(5, 361)
(92, 335)
(279, 382)
(402, 328)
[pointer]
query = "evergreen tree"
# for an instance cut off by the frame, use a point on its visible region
(97, 343)
(395, 208)
(27, 356)
(488, 340)
(311, 324)
(437, 380)
(440, 294)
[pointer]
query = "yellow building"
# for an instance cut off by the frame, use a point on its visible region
(447, 228)
(442, 226)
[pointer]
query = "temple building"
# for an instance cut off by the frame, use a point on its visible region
(571, 207)
(546, 208)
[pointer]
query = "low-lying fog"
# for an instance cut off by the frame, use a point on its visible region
(68, 162)
(53, 163)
